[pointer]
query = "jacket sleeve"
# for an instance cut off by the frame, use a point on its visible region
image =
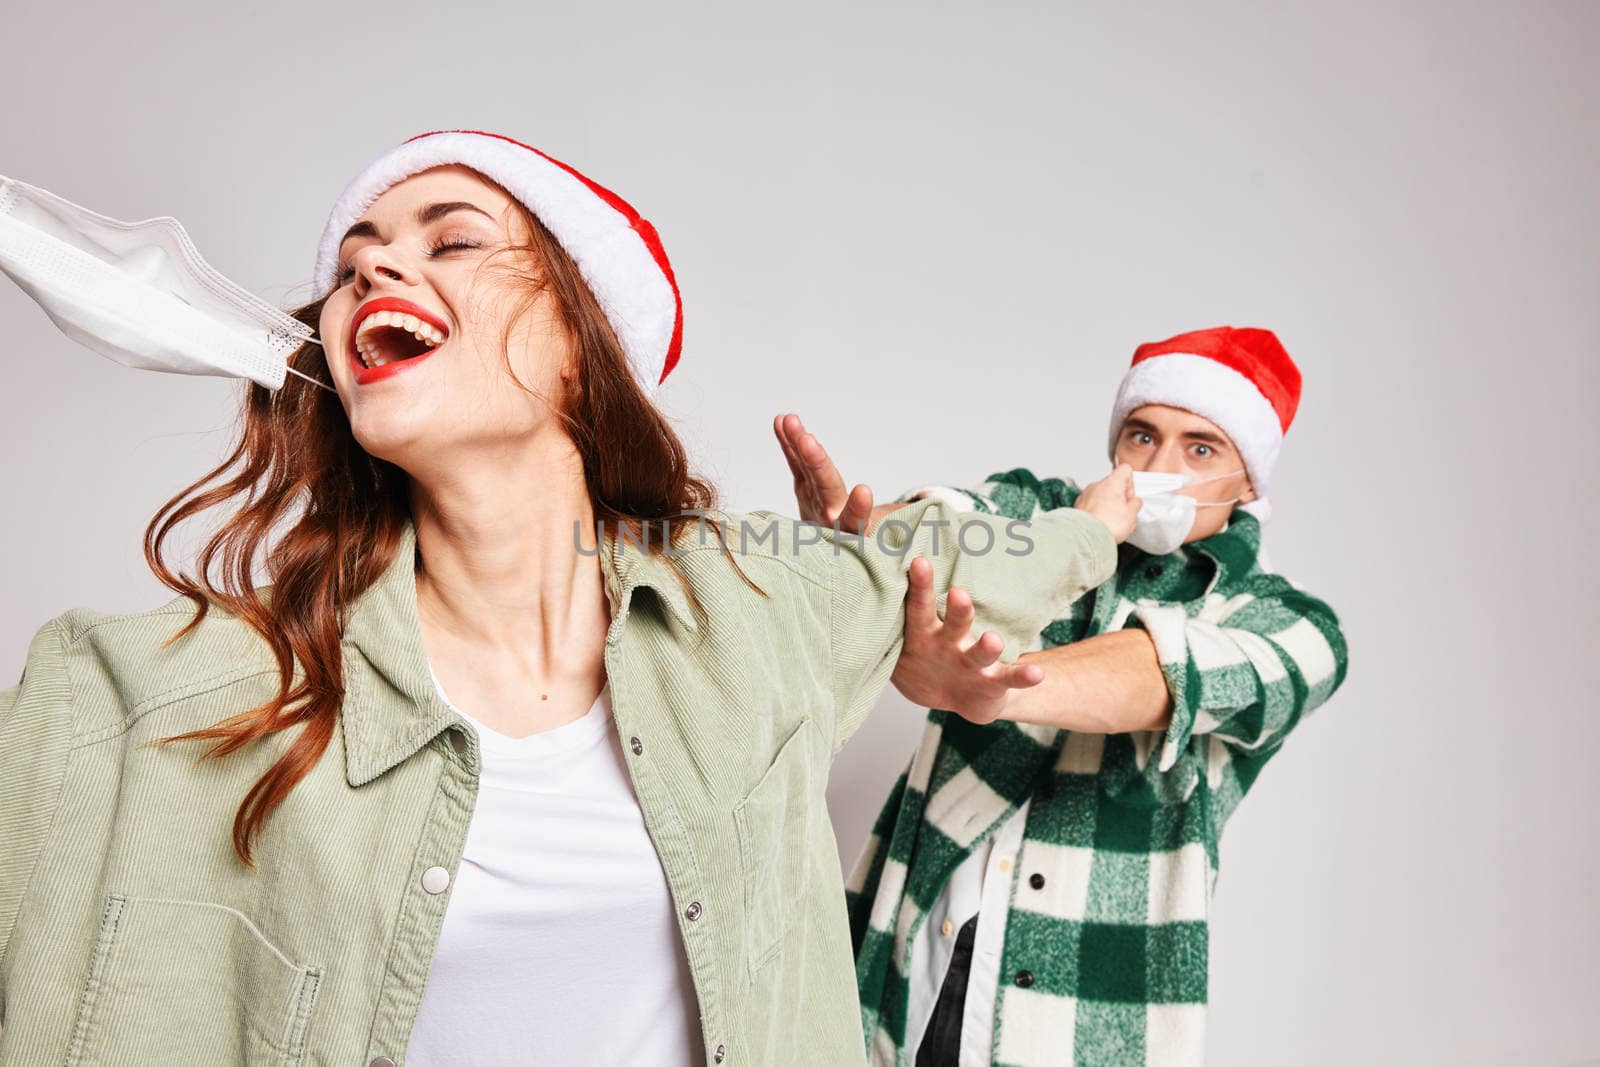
(1020, 575)
(1245, 668)
(35, 739)
(979, 498)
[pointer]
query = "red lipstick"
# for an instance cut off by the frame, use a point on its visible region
(364, 374)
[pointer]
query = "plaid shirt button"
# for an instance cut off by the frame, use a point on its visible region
(1024, 979)
(1036, 880)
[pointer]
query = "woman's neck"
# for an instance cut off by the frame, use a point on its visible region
(501, 570)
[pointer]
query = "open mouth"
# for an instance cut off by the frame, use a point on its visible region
(388, 338)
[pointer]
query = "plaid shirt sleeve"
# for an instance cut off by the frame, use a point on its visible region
(1246, 667)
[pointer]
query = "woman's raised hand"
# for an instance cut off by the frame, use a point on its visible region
(818, 489)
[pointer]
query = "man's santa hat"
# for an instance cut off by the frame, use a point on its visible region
(1239, 378)
(615, 248)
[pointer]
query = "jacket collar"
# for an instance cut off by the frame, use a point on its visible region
(392, 707)
(1236, 550)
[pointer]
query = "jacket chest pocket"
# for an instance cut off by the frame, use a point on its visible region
(182, 981)
(775, 826)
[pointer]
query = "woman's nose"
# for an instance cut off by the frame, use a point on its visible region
(377, 261)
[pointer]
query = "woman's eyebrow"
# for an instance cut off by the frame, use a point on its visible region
(426, 214)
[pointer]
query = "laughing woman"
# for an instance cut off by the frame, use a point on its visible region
(501, 764)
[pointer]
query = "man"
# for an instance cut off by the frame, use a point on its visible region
(1036, 889)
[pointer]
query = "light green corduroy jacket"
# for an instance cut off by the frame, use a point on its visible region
(130, 932)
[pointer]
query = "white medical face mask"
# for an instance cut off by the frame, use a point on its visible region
(1166, 516)
(139, 293)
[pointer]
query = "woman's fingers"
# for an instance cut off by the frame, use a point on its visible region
(857, 510)
(823, 473)
(796, 467)
(788, 430)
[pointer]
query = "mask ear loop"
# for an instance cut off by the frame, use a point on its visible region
(1217, 503)
(318, 342)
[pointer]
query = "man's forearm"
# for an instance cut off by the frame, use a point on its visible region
(1108, 684)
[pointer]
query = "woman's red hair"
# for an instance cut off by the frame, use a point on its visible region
(296, 451)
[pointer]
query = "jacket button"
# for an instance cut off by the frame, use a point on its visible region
(637, 746)
(435, 879)
(1024, 979)
(1153, 571)
(1036, 880)
(693, 910)
(720, 1054)
(381, 1061)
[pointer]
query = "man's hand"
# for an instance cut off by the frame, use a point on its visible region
(1111, 500)
(941, 666)
(818, 489)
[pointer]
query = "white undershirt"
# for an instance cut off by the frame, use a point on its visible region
(981, 886)
(560, 942)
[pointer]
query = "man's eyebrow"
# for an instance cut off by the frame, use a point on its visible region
(1206, 436)
(426, 214)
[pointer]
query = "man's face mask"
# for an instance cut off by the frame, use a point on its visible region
(139, 293)
(1166, 516)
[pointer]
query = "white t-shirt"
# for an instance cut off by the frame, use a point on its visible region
(560, 944)
(981, 886)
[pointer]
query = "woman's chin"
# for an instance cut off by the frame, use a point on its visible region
(395, 433)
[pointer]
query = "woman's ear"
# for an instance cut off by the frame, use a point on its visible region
(1248, 493)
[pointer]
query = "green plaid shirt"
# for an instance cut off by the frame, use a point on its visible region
(1104, 959)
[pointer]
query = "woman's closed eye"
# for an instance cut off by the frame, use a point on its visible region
(438, 248)
(447, 243)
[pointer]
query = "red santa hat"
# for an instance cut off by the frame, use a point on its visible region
(615, 248)
(1241, 378)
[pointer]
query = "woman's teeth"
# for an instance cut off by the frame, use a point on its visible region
(372, 354)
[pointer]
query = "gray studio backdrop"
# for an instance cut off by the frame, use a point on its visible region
(938, 232)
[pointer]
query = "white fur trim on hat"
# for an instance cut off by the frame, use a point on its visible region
(1213, 391)
(632, 289)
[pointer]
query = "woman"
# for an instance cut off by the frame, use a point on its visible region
(605, 749)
